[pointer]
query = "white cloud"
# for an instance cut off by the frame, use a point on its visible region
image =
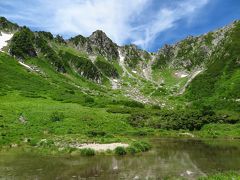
(111, 16)
(166, 18)
(121, 20)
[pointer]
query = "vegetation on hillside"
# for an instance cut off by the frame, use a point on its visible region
(22, 44)
(220, 83)
(83, 66)
(48, 51)
(78, 105)
(106, 67)
(6, 25)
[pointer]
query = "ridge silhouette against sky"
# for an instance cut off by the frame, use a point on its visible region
(146, 23)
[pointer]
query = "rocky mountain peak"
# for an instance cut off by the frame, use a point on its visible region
(101, 44)
(99, 34)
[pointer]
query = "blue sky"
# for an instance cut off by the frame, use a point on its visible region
(147, 23)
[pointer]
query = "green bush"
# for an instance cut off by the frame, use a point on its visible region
(183, 119)
(138, 119)
(131, 150)
(140, 132)
(22, 44)
(134, 104)
(56, 116)
(96, 133)
(156, 107)
(141, 146)
(87, 152)
(120, 151)
(128, 103)
(120, 110)
(33, 142)
(88, 99)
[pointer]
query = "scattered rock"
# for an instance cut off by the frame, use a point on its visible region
(13, 145)
(187, 134)
(22, 119)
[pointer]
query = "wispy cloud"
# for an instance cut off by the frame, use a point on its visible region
(167, 18)
(135, 21)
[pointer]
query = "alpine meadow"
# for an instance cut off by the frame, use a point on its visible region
(138, 114)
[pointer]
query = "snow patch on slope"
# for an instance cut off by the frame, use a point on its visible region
(4, 38)
(115, 83)
(194, 74)
(26, 66)
(31, 68)
(181, 74)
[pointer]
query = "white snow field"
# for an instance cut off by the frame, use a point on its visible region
(4, 37)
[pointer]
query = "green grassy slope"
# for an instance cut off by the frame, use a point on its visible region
(38, 98)
(219, 85)
(67, 96)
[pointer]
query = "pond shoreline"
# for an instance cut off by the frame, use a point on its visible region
(188, 158)
(72, 149)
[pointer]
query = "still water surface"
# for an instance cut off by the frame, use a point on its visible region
(183, 158)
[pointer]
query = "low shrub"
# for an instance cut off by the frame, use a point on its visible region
(33, 142)
(120, 110)
(88, 152)
(138, 119)
(96, 133)
(56, 116)
(120, 151)
(131, 150)
(141, 146)
(156, 107)
(88, 99)
(133, 104)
